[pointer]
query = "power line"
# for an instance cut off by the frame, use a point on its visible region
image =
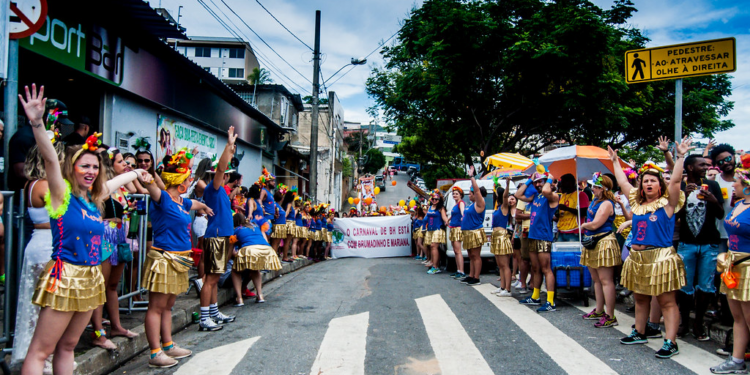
(368, 55)
(342, 76)
(282, 25)
(264, 42)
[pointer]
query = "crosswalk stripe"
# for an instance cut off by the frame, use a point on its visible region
(453, 347)
(691, 357)
(343, 348)
(566, 352)
(217, 361)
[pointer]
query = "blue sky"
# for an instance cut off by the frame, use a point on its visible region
(353, 28)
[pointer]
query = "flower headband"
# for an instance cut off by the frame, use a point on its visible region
(598, 180)
(650, 166)
(183, 170)
(458, 189)
(54, 116)
(111, 152)
(631, 174)
(744, 173)
(92, 144)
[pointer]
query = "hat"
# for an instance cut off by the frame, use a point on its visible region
(60, 115)
(538, 176)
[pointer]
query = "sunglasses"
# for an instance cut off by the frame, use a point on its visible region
(144, 160)
(129, 164)
(434, 199)
(727, 159)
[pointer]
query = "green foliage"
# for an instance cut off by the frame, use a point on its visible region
(435, 172)
(352, 142)
(640, 155)
(308, 100)
(517, 75)
(260, 76)
(375, 161)
(347, 167)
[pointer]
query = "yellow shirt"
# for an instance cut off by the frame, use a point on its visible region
(526, 208)
(568, 221)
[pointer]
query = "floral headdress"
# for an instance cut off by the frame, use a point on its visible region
(182, 171)
(458, 189)
(650, 166)
(436, 193)
(283, 189)
(92, 144)
(142, 144)
(631, 174)
(597, 179)
(111, 152)
(744, 173)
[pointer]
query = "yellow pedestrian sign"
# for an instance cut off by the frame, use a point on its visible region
(681, 60)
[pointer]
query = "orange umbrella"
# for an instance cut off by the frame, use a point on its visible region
(580, 161)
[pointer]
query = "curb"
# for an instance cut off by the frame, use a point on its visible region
(98, 361)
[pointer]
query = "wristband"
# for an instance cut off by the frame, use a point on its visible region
(529, 182)
(549, 180)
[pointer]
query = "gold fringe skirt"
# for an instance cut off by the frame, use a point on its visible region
(742, 291)
(473, 238)
(329, 237)
(279, 231)
(415, 234)
(256, 258)
(160, 276)
(421, 233)
(437, 236)
(80, 288)
(616, 224)
(301, 232)
(501, 244)
(455, 235)
(323, 235)
(653, 272)
(606, 254)
(291, 229)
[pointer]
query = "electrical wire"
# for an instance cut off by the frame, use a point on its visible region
(368, 55)
(282, 25)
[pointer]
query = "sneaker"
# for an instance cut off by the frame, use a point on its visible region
(523, 290)
(546, 307)
(466, 279)
(702, 337)
(433, 271)
(498, 290)
(667, 350)
(162, 360)
(730, 367)
(606, 322)
(726, 351)
(634, 338)
(453, 275)
(530, 301)
(473, 282)
(223, 319)
(178, 353)
(505, 293)
(459, 276)
(652, 332)
(248, 294)
(208, 325)
(593, 315)
(198, 283)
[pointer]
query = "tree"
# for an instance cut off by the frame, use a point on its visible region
(352, 142)
(308, 100)
(431, 175)
(260, 76)
(375, 161)
(347, 169)
(518, 75)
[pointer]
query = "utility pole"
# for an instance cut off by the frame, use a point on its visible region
(314, 122)
(11, 107)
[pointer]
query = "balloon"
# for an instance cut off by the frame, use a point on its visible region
(368, 201)
(351, 200)
(383, 209)
(402, 203)
(412, 203)
(376, 191)
(393, 183)
(356, 200)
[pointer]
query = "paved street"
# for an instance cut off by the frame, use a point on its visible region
(393, 194)
(386, 316)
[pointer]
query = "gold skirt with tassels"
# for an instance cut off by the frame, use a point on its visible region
(616, 225)
(256, 258)
(742, 291)
(301, 232)
(323, 235)
(606, 254)
(329, 237)
(291, 229)
(415, 234)
(434, 236)
(279, 231)
(500, 244)
(653, 272)
(161, 275)
(473, 238)
(80, 288)
(455, 235)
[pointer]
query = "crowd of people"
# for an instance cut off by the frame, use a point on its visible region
(85, 231)
(674, 238)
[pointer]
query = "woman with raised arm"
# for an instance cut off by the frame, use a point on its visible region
(71, 286)
(436, 220)
(472, 230)
(455, 230)
(603, 255)
(653, 267)
(501, 246)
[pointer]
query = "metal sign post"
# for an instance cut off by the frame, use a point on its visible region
(678, 110)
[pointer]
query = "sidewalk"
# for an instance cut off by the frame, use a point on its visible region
(95, 360)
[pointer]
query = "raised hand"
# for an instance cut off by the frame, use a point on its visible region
(684, 147)
(231, 136)
(663, 145)
(34, 105)
(612, 154)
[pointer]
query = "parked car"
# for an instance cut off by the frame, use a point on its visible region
(392, 169)
(380, 182)
(489, 201)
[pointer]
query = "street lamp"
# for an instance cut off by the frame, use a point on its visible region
(359, 61)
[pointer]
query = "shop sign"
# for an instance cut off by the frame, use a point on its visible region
(171, 136)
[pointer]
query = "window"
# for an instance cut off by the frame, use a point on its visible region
(202, 51)
(236, 73)
(236, 53)
(207, 69)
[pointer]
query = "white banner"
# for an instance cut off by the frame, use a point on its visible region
(372, 237)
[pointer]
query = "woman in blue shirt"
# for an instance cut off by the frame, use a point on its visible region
(435, 222)
(605, 256)
(254, 253)
(653, 267)
(455, 230)
(473, 231)
(500, 244)
(279, 222)
(165, 273)
(300, 231)
(72, 285)
(737, 224)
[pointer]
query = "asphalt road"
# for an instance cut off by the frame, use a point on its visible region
(393, 194)
(387, 316)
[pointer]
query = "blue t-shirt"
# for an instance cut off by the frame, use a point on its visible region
(498, 219)
(472, 220)
(220, 224)
(329, 226)
(417, 224)
(591, 214)
(298, 220)
(282, 215)
(434, 220)
(291, 214)
(653, 229)
(77, 234)
(269, 205)
(540, 226)
(249, 236)
(738, 230)
(171, 223)
(455, 220)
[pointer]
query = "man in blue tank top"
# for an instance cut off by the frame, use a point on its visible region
(543, 207)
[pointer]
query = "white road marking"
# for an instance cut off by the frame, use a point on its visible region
(454, 350)
(217, 361)
(691, 357)
(566, 352)
(343, 348)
